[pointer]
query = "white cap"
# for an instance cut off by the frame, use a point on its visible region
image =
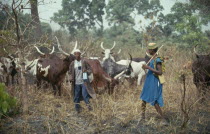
(77, 50)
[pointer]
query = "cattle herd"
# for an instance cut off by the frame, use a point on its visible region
(106, 72)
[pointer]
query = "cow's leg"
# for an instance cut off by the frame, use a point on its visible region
(200, 91)
(54, 88)
(59, 89)
(13, 80)
(140, 77)
(7, 80)
(38, 83)
(18, 78)
(111, 88)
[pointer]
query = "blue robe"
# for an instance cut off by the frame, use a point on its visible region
(152, 90)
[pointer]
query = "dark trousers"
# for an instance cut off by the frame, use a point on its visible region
(80, 92)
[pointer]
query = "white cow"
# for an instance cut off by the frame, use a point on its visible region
(138, 72)
(108, 52)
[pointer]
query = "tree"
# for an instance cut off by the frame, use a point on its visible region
(170, 20)
(119, 11)
(35, 19)
(80, 15)
(46, 28)
(148, 9)
(190, 30)
(203, 7)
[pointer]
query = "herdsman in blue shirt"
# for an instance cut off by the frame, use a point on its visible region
(152, 90)
(80, 72)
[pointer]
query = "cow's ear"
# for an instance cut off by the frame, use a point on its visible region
(102, 52)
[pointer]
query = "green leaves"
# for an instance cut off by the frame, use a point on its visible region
(190, 29)
(80, 14)
(5, 107)
(7, 102)
(119, 11)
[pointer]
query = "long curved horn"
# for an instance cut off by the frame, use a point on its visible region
(59, 47)
(75, 47)
(86, 48)
(83, 53)
(119, 51)
(120, 74)
(130, 59)
(102, 45)
(39, 50)
(113, 46)
(53, 50)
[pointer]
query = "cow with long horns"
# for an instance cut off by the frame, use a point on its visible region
(138, 72)
(116, 70)
(201, 73)
(108, 52)
(52, 69)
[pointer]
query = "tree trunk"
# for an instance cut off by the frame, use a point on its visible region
(35, 17)
(21, 56)
(24, 86)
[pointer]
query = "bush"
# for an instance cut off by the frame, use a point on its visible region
(7, 102)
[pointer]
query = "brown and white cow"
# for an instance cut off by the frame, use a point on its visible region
(52, 69)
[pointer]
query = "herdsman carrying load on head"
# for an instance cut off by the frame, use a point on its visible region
(152, 89)
(80, 71)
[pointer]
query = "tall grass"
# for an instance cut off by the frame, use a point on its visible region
(117, 113)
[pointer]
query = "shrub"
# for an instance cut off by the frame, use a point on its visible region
(7, 102)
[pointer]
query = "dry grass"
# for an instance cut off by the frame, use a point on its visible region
(118, 113)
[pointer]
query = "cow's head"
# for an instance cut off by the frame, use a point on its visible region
(108, 52)
(12, 61)
(128, 71)
(8, 64)
(69, 57)
(65, 53)
(43, 55)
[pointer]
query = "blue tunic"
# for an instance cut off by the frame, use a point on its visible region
(152, 90)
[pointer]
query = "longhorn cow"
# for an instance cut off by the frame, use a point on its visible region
(52, 69)
(108, 53)
(138, 72)
(201, 72)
